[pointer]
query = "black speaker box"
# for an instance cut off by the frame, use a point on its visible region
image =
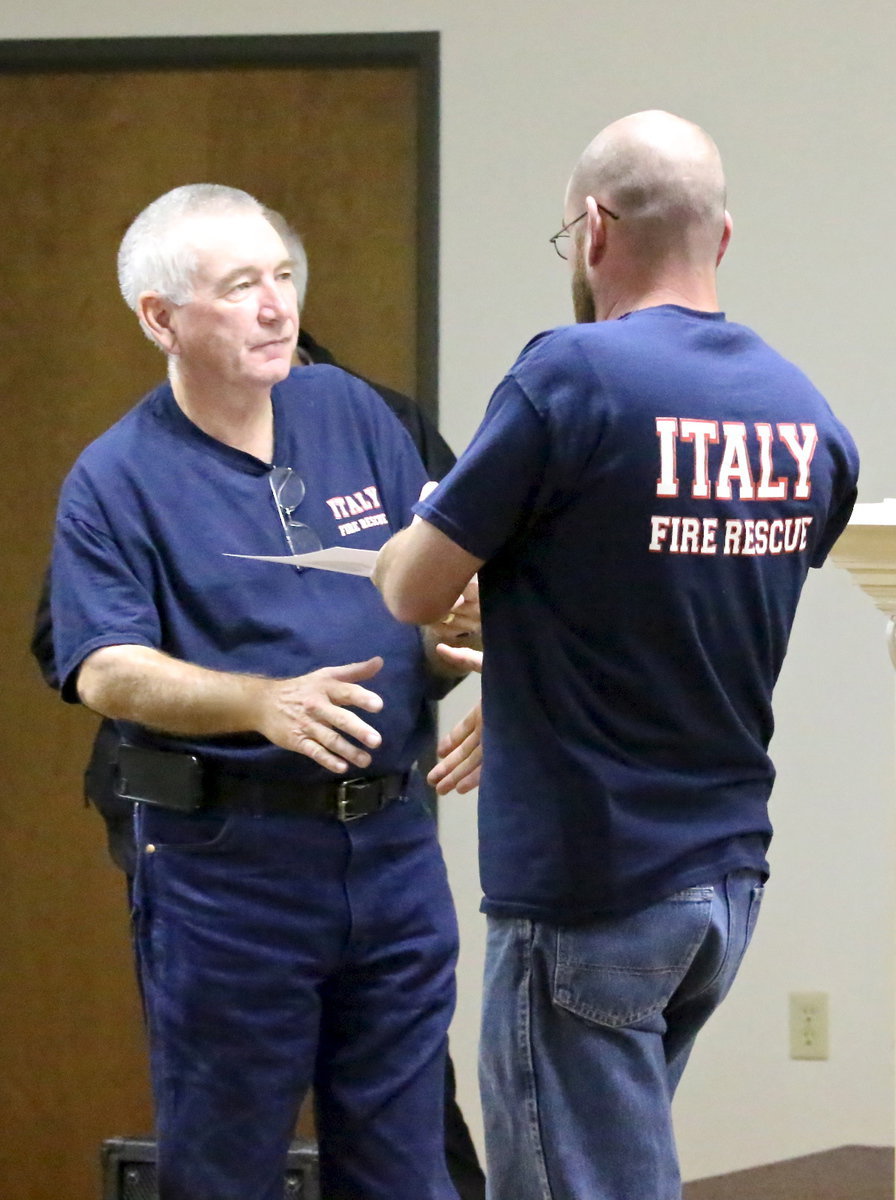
(129, 1170)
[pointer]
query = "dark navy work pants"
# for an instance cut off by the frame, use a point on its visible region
(281, 952)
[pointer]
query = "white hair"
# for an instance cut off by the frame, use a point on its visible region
(154, 257)
(294, 249)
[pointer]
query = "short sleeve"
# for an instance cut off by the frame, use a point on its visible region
(97, 598)
(497, 485)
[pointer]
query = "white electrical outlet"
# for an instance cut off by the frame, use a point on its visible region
(809, 1025)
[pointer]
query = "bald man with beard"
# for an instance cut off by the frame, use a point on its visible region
(666, 480)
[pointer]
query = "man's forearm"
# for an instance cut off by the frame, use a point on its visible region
(394, 564)
(313, 715)
(139, 684)
(420, 573)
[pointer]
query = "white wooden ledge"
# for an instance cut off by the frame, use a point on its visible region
(867, 549)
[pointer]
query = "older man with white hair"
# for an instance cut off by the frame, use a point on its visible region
(643, 502)
(293, 920)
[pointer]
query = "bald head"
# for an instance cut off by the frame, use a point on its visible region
(663, 176)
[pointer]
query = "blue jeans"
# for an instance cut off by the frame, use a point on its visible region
(586, 1030)
(279, 952)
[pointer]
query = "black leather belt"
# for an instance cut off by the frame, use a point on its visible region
(172, 779)
(345, 800)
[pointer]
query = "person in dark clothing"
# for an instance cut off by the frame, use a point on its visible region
(668, 480)
(437, 455)
(99, 776)
(117, 813)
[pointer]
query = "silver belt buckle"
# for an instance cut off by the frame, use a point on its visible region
(343, 801)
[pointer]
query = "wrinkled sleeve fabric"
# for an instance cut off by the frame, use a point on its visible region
(99, 596)
(844, 495)
(499, 483)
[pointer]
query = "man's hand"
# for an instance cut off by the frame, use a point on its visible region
(460, 751)
(310, 714)
(462, 623)
(458, 628)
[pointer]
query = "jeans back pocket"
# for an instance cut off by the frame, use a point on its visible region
(617, 971)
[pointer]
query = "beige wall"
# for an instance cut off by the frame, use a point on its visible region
(800, 98)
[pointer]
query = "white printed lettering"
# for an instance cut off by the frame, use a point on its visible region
(802, 453)
(735, 462)
(733, 534)
(735, 467)
(365, 500)
(747, 538)
(710, 528)
(690, 535)
(337, 508)
(667, 432)
(659, 528)
(766, 490)
(702, 434)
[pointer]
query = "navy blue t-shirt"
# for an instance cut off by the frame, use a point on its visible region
(149, 510)
(648, 494)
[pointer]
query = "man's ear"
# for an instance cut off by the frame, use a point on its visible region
(726, 237)
(595, 233)
(154, 312)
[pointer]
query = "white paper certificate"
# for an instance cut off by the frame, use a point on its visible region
(344, 559)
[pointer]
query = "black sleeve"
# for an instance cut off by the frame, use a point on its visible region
(437, 455)
(42, 635)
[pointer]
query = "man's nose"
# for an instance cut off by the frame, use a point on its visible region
(275, 304)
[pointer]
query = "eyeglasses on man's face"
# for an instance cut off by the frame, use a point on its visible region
(288, 490)
(560, 241)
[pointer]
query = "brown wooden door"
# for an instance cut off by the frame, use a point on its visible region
(335, 150)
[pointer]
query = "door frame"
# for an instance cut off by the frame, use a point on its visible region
(420, 50)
